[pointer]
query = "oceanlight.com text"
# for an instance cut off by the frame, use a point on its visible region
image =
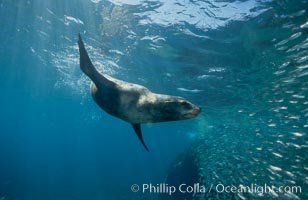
(257, 189)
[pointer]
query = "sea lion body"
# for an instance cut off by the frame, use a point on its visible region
(136, 104)
(133, 103)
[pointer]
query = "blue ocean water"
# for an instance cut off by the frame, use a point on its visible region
(244, 62)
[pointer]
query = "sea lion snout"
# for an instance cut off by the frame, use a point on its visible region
(197, 110)
(187, 109)
(193, 112)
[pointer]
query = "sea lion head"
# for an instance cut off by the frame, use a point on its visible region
(173, 108)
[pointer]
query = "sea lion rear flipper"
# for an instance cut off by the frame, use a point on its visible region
(137, 128)
(85, 62)
(88, 68)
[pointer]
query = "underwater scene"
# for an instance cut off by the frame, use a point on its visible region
(234, 126)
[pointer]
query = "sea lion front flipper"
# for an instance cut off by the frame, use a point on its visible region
(137, 128)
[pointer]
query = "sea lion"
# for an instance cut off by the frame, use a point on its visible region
(133, 103)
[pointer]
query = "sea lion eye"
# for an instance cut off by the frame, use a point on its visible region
(184, 103)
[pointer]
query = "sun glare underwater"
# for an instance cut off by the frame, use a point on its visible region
(244, 62)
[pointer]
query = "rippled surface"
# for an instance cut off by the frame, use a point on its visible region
(244, 62)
